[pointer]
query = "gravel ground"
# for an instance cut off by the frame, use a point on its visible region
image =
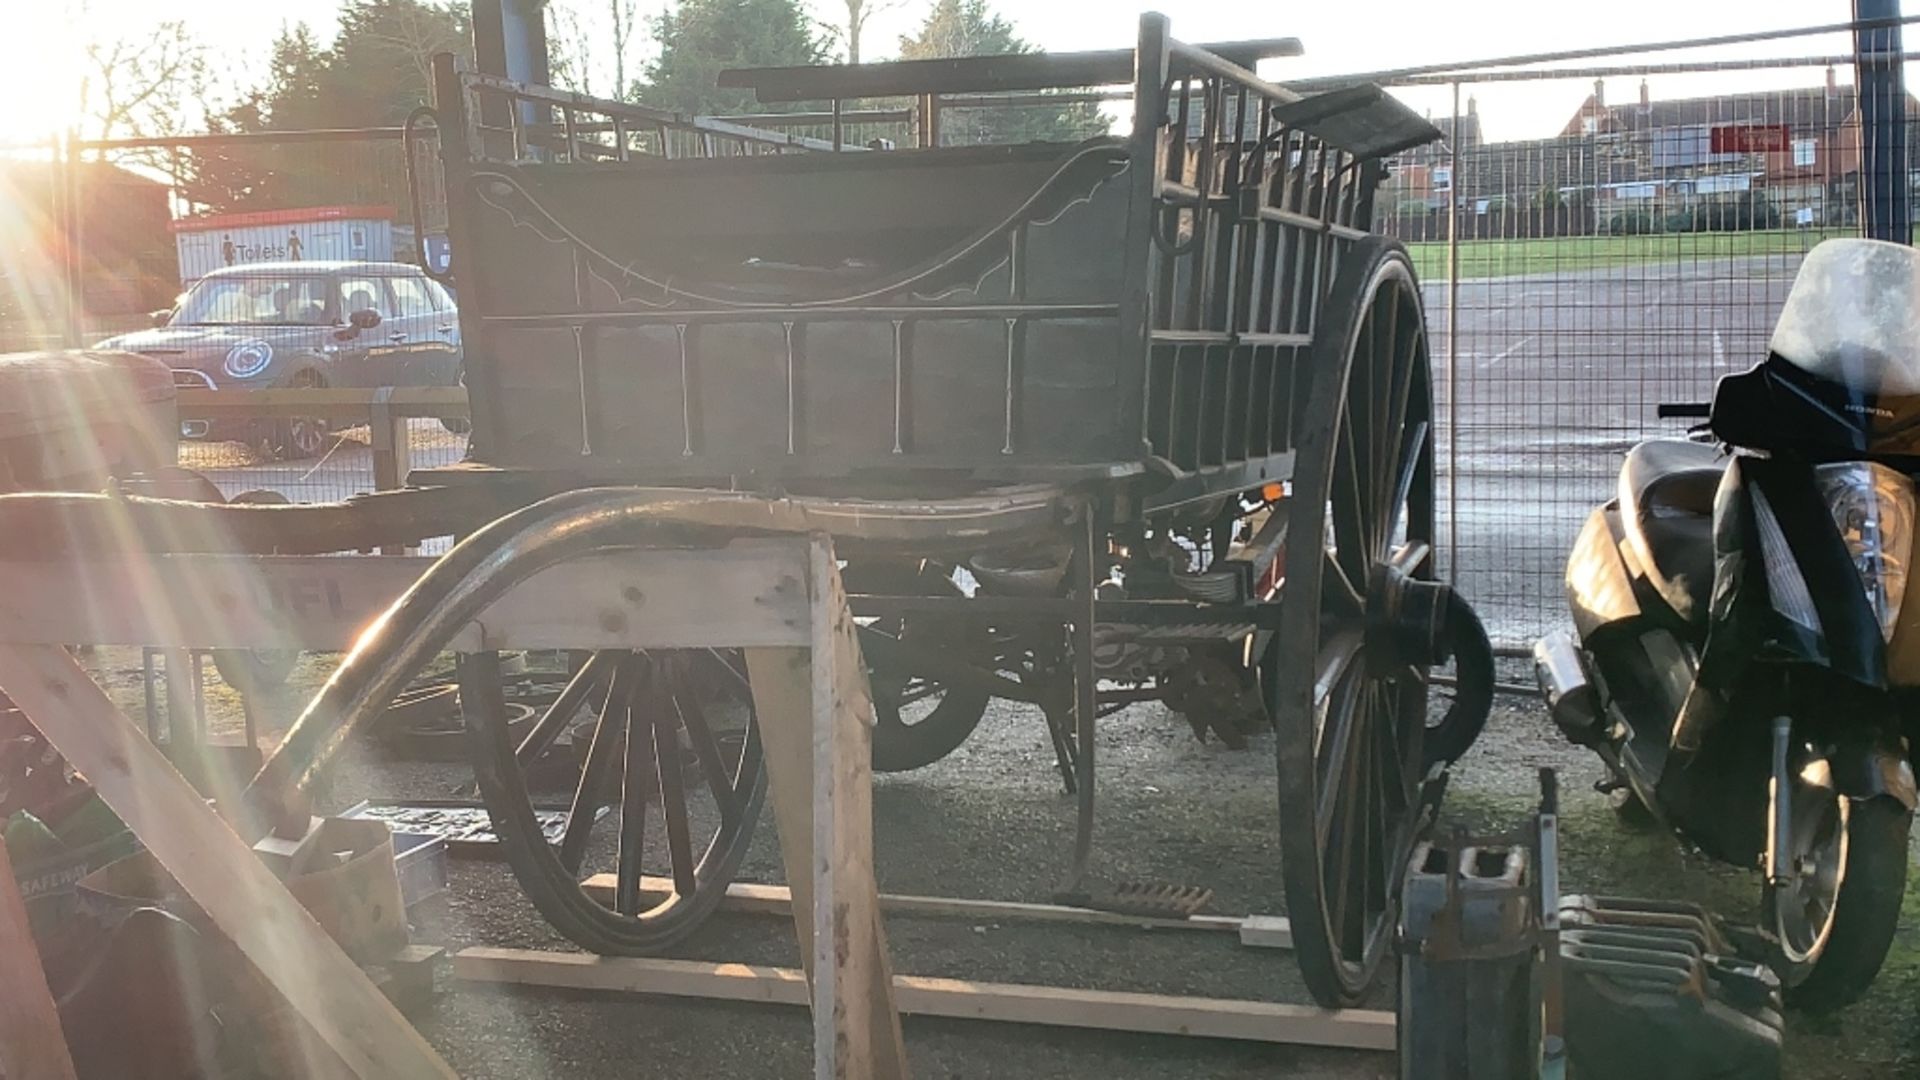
(991, 822)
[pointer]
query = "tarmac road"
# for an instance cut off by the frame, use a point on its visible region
(1558, 375)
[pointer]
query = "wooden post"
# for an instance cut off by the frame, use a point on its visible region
(240, 896)
(183, 721)
(32, 1046)
(816, 722)
(392, 449)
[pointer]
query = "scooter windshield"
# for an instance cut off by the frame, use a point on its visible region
(1853, 318)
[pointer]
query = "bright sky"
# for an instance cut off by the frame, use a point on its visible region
(40, 47)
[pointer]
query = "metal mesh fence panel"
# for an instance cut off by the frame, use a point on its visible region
(270, 262)
(1575, 282)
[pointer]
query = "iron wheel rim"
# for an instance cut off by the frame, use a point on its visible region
(658, 692)
(1350, 737)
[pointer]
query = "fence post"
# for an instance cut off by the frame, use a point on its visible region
(392, 449)
(1886, 203)
(1453, 343)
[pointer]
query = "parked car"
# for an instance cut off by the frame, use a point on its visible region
(303, 324)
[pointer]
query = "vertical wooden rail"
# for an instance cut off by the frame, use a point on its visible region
(32, 1046)
(815, 712)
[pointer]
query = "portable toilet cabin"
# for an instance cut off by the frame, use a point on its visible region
(358, 233)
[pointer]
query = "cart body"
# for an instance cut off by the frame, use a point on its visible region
(656, 299)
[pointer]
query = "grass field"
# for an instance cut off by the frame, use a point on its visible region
(1501, 258)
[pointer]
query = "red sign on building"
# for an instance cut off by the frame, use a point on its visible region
(1751, 139)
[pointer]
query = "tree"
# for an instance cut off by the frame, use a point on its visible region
(858, 12)
(377, 70)
(381, 64)
(151, 84)
(702, 38)
(970, 28)
(576, 47)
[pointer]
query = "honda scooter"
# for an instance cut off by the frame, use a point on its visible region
(1743, 657)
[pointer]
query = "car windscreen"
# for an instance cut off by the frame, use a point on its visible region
(256, 300)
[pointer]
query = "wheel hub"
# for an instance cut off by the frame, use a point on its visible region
(1406, 618)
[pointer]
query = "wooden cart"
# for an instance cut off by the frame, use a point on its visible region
(1139, 417)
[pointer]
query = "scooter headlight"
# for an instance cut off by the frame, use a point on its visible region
(1873, 508)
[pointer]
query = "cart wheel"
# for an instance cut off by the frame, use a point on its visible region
(672, 751)
(917, 721)
(1350, 707)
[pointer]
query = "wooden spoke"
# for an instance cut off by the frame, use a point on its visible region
(1386, 429)
(734, 668)
(1339, 595)
(706, 750)
(1409, 557)
(554, 720)
(1405, 474)
(590, 795)
(668, 766)
(1343, 838)
(1348, 508)
(642, 717)
(1344, 730)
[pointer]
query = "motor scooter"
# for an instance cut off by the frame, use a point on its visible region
(1743, 658)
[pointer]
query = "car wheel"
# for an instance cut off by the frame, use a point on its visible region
(301, 437)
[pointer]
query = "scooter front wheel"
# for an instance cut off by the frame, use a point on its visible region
(1835, 913)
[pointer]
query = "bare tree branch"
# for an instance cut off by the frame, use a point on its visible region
(154, 84)
(858, 12)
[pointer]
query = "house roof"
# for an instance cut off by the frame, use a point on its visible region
(1808, 107)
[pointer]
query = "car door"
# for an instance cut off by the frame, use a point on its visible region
(370, 357)
(430, 358)
(447, 322)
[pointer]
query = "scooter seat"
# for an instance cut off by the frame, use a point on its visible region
(1666, 490)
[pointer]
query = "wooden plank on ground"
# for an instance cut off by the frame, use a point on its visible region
(32, 1045)
(751, 898)
(240, 896)
(750, 593)
(1267, 932)
(1110, 1010)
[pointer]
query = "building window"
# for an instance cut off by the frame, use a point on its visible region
(1589, 125)
(1803, 151)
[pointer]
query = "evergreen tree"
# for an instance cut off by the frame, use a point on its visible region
(701, 38)
(971, 28)
(377, 70)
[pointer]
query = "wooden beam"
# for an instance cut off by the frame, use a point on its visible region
(815, 713)
(329, 403)
(32, 1044)
(971, 74)
(751, 593)
(1107, 1010)
(240, 896)
(750, 898)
